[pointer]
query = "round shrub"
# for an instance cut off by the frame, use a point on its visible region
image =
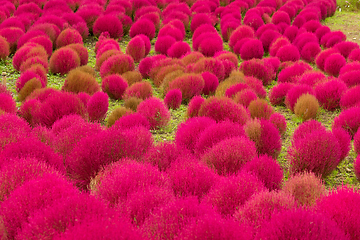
(288, 53)
(311, 153)
(118, 113)
(267, 170)
(349, 120)
(260, 108)
(350, 98)
(97, 106)
(230, 193)
(178, 49)
(323, 56)
(223, 108)
(163, 43)
(189, 84)
(305, 187)
(68, 36)
(132, 77)
(200, 19)
(212, 65)
(162, 155)
(131, 121)
(256, 68)
(117, 64)
(278, 93)
(115, 29)
(81, 51)
(354, 55)
(228, 156)
(241, 32)
(345, 47)
(4, 48)
(309, 51)
(210, 46)
(277, 44)
(252, 49)
(294, 94)
(334, 63)
(350, 78)
(63, 60)
(279, 122)
(292, 72)
(7, 103)
(261, 206)
(78, 81)
(306, 107)
(155, 112)
(341, 205)
(136, 48)
(300, 224)
(114, 85)
(330, 93)
(194, 106)
(142, 90)
(265, 135)
(143, 26)
(211, 82)
(173, 98)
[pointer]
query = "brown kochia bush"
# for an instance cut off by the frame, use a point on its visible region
(28, 88)
(132, 77)
(260, 108)
(80, 80)
(116, 114)
(306, 107)
(132, 103)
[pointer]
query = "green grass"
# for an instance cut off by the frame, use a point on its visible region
(348, 5)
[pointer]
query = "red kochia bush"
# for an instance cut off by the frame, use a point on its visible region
(288, 53)
(108, 23)
(211, 83)
(68, 36)
(155, 112)
(256, 68)
(300, 224)
(117, 180)
(194, 106)
(350, 98)
(212, 65)
(32, 196)
(341, 205)
(348, 119)
(136, 48)
(292, 72)
(279, 122)
(4, 48)
(278, 93)
(223, 108)
(163, 43)
(306, 188)
(323, 56)
(230, 193)
(173, 98)
(334, 63)
(350, 78)
(7, 103)
(329, 94)
(162, 155)
(354, 55)
(309, 51)
(63, 60)
(117, 64)
(239, 33)
(114, 85)
(252, 49)
(143, 26)
(189, 177)
(97, 106)
(230, 155)
(190, 85)
(294, 93)
(178, 49)
(94, 152)
(188, 132)
(311, 153)
(142, 90)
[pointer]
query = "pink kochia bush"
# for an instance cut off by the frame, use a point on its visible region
(62, 215)
(334, 63)
(97, 106)
(131, 121)
(267, 170)
(259, 209)
(108, 23)
(228, 156)
(168, 221)
(300, 224)
(32, 196)
(349, 120)
(121, 178)
(173, 98)
(96, 151)
(278, 93)
(223, 108)
(155, 112)
(114, 85)
(329, 94)
(311, 153)
(117, 64)
(350, 98)
(258, 69)
(342, 206)
(136, 48)
(63, 60)
(189, 84)
(188, 132)
(162, 155)
(189, 177)
(194, 106)
(230, 193)
(68, 36)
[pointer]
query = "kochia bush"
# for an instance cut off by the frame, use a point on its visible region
(155, 112)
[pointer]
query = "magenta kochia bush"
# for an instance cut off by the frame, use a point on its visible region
(230, 193)
(240, 33)
(190, 85)
(68, 36)
(212, 65)
(348, 119)
(211, 82)
(194, 106)
(189, 131)
(212, 226)
(163, 43)
(168, 221)
(32, 148)
(108, 23)
(261, 206)
(143, 26)
(329, 94)
(178, 49)
(342, 206)
(309, 51)
(162, 155)
(216, 133)
(252, 49)
(228, 156)
(61, 215)
(63, 60)
(292, 72)
(294, 93)
(173, 98)
(279, 122)
(155, 112)
(311, 153)
(96, 151)
(117, 64)
(334, 63)
(345, 48)
(189, 177)
(141, 203)
(32, 196)
(300, 224)
(351, 78)
(131, 121)
(114, 85)
(350, 98)
(278, 93)
(126, 176)
(288, 53)
(267, 169)
(14, 173)
(97, 106)
(344, 140)
(136, 48)
(256, 68)
(7, 103)
(223, 108)
(322, 57)
(354, 55)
